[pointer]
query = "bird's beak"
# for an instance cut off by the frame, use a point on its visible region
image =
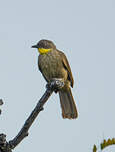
(34, 46)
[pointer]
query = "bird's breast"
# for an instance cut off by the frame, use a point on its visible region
(51, 66)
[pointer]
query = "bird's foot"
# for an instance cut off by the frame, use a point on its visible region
(55, 84)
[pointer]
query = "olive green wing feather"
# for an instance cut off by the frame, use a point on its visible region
(67, 67)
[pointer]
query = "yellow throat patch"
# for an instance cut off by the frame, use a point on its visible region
(43, 51)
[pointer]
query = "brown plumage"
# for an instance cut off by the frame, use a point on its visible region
(54, 64)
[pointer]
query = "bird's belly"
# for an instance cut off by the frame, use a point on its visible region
(52, 67)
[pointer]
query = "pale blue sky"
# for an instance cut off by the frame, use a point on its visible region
(85, 31)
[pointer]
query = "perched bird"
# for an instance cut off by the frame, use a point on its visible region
(53, 64)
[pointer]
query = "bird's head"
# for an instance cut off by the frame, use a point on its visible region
(44, 46)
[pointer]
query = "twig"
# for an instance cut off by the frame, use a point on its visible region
(8, 146)
(1, 102)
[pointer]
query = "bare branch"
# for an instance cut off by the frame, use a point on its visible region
(8, 146)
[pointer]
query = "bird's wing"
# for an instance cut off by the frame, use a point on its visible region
(67, 67)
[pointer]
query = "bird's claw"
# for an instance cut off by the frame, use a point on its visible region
(55, 84)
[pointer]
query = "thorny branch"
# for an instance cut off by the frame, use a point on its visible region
(5, 146)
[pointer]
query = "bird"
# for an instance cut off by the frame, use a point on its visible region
(53, 63)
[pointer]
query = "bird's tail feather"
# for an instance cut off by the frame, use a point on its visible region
(67, 104)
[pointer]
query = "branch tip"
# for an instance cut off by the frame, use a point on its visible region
(1, 102)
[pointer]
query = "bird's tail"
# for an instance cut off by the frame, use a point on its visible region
(67, 104)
